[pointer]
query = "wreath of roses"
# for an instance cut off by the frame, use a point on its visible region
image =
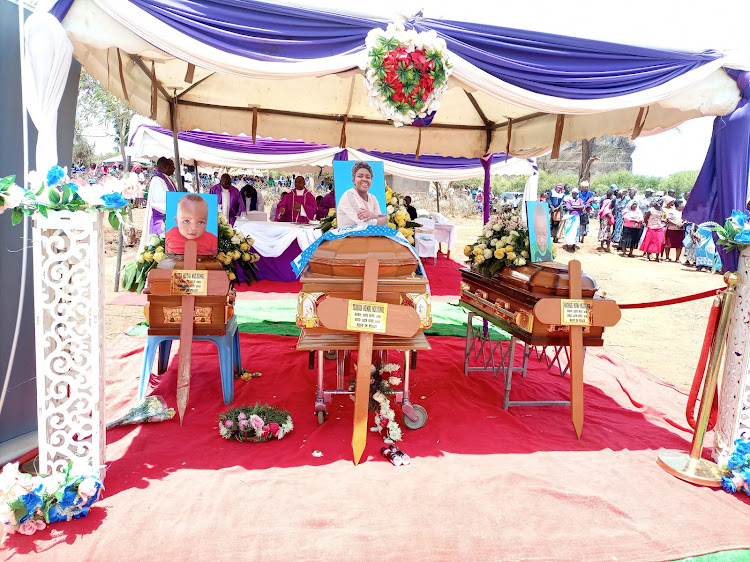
(255, 424)
(406, 73)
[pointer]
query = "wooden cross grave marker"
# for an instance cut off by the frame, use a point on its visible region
(188, 283)
(366, 317)
(576, 313)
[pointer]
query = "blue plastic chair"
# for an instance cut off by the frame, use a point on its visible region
(230, 361)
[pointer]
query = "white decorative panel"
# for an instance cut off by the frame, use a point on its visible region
(734, 396)
(69, 324)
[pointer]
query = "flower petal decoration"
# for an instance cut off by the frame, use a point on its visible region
(406, 73)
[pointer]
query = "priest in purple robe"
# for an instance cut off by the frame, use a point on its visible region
(298, 205)
(230, 200)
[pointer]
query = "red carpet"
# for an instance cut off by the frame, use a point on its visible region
(483, 483)
(444, 280)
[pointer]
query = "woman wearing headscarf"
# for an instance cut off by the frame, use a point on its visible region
(632, 223)
(620, 204)
(556, 196)
(675, 229)
(606, 221)
(706, 255)
(653, 241)
(573, 205)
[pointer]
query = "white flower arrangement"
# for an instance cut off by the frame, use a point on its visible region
(55, 191)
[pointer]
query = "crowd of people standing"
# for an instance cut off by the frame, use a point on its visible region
(651, 223)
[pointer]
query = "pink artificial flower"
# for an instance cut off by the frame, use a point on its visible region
(274, 427)
(229, 423)
(256, 422)
(242, 416)
(31, 526)
(78, 181)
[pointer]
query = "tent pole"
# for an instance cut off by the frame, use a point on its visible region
(178, 164)
(437, 196)
(487, 165)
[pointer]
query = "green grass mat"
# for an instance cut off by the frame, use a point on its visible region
(277, 317)
(724, 556)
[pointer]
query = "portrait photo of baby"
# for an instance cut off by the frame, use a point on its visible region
(192, 216)
(540, 237)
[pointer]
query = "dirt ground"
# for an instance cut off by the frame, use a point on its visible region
(665, 340)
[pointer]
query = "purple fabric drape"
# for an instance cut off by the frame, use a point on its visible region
(722, 184)
(556, 65)
(486, 164)
(60, 9)
(279, 269)
(263, 145)
(544, 63)
(263, 31)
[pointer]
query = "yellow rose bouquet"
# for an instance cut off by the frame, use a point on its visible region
(234, 254)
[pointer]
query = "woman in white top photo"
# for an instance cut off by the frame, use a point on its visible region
(357, 206)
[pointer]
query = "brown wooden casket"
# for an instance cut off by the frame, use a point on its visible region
(337, 268)
(509, 297)
(164, 313)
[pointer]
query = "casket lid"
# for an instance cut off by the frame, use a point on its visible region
(345, 255)
(545, 278)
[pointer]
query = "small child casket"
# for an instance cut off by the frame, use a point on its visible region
(164, 311)
(336, 269)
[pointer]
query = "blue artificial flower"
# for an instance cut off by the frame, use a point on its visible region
(71, 186)
(55, 175)
(744, 236)
(114, 200)
(739, 217)
(736, 460)
(728, 485)
(742, 446)
(32, 501)
(70, 497)
(56, 513)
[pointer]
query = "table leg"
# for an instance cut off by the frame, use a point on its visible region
(320, 404)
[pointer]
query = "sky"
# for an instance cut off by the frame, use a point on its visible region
(676, 150)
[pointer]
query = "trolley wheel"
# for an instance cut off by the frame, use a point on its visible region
(321, 417)
(421, 418)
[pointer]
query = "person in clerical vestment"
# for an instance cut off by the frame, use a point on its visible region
(230, 200)
(357, 206)
(160, 184)
(298, 205)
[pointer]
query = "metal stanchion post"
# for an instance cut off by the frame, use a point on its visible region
(692, 467)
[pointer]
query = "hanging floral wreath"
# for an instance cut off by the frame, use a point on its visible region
(406, 73)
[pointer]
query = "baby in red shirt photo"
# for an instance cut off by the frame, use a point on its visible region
(192, 220)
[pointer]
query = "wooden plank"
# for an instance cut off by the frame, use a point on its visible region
(400, 320)
(186, 336)
(364, 361)
(605, 312)
(576, 353)
(160, 281)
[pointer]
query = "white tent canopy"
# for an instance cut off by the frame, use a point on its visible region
(118, 159)
(188, 84)
(150, 142)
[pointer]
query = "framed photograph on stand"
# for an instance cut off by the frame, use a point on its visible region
(540, 236)
(192, 216)
(360, 193)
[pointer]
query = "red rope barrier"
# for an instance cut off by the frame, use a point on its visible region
(708, 342)
(678, 300)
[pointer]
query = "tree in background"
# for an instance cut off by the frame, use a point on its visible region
(100, 107)
(83, 150)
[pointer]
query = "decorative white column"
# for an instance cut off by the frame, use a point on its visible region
(69, 323)
(734, 396)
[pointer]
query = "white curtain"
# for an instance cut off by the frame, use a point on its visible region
(46, 64)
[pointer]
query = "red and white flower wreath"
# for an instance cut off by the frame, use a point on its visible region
(406, 73)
